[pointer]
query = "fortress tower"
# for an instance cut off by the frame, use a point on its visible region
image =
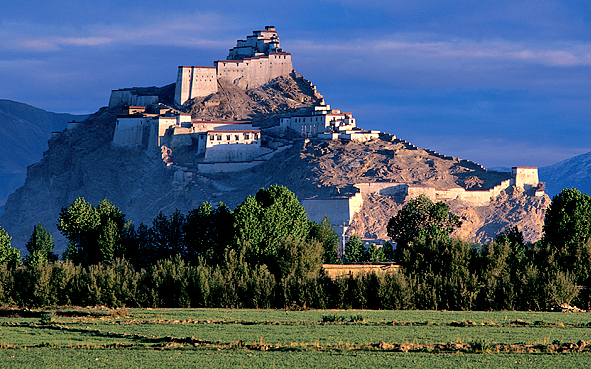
(252, 63)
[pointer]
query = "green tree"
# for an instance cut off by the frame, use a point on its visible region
(9, 256)
(94, 233)
(568, 219)
(517, 257)
(388, 250)
(420, 214)
(167, 236)
(374, 253)
(328, 237)
(301, 259)
(40, 247)
(354, 249)
(209, 232)
(566, 242)
(264, 221)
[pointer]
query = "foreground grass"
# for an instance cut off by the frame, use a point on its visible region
(145, 338)
(43, 358)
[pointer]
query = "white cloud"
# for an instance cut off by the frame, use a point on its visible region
(187, 30)
(565, 54)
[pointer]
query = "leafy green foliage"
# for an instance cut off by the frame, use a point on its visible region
(264, 221)
(267, 254)
(94, 233)
(167, 236)
(354, 249)
(328, 237)
(420, 215)
(9, 256)
(40, 247)
(566, 244)
(374, 254)
(568, 219)
(299, 258)
(209, 232)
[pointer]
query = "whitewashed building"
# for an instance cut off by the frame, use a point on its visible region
(252, 63)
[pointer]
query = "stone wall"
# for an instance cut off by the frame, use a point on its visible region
(128, 97)
(525, 177)
(340, 210)
(131, 131)
(383, 188)
(227, 167)
(474, 198)
(233, 153)
(194, 82)
(254, 72)
(342, 270)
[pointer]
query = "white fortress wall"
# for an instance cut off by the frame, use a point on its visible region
(194, 82)
(232, 153)
(183, 120)
(142, 100)
(233, 145)
(260, 42)
(228, 137)
(338, 210)
(227, 167)
(254, 72)
(355, 205)
(476, 198)
(181, 136)
(119, 97)
(204, 126)
(383, 188)
(525, 177)
(158, 127)
(359, 136)
(323, 121)
(130, 130)
(328, 136)
(127, 97)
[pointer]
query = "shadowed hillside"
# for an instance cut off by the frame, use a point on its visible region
(24, 131)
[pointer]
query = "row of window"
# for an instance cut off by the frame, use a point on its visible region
(303, 120)
(219, 137)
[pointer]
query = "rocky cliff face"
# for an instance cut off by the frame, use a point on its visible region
(24, 131)
(83, 163)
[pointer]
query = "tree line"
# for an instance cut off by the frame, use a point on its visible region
(266, 253)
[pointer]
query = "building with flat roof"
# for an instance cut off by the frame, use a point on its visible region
(250, 64)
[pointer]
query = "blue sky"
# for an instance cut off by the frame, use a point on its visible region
(503, 83)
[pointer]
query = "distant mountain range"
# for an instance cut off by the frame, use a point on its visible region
(24, 131)
(574, 172)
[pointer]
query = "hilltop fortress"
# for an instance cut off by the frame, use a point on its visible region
(225, 146)
(221, 146)
(252, 63)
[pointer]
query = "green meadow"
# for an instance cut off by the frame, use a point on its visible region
(241, 338)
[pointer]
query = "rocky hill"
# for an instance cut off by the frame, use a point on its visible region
(82, 162)
(24, 131)
(574, 172)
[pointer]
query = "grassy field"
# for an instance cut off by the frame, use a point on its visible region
(150, 338)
